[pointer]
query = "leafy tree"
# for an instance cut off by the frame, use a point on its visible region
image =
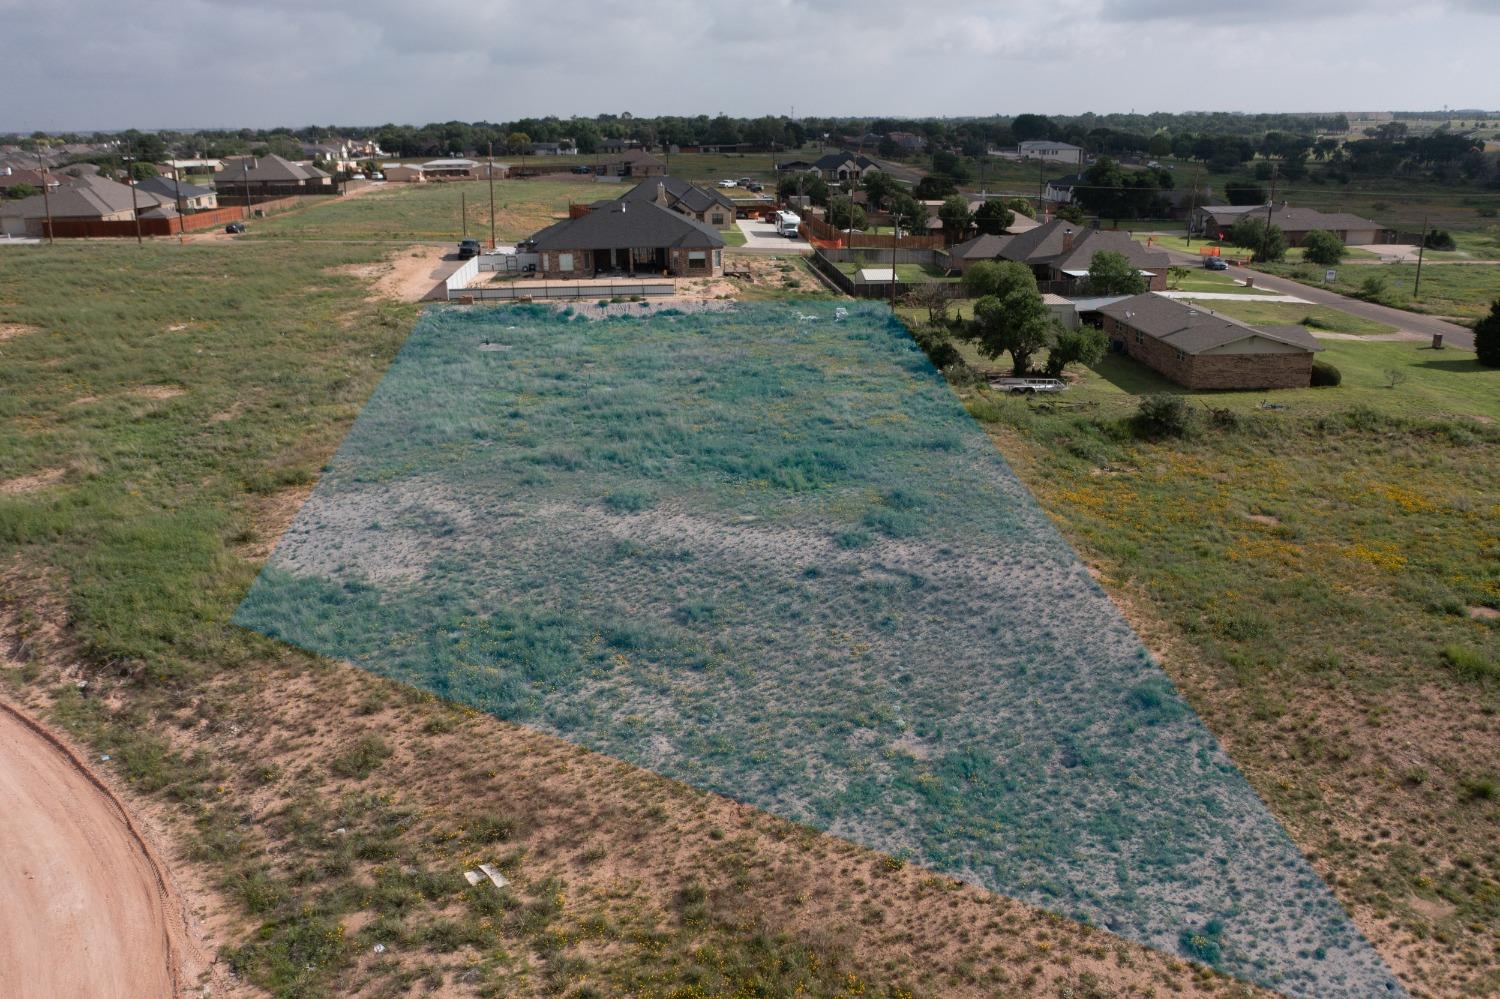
(1160, 144)
(1323, 248)
(517, 144)
(1439, 239)
(993, 217)
(957, 219)
(1111, 273)
(1244, 192)
(1487, 337)
(1162, 415)
(932, 187)
(909, 214)
(1021, 206)
(143, 171)
(1267, 242)
(1012, 318)
(810, 184)
(840, 211)
(1032, 126)
(1071, 213)
(879, 187)
(1176, 274)
(951, 165)
(1085, 345)
(19, 191)
(1272, 246)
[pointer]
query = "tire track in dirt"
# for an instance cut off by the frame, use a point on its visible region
(88, 907)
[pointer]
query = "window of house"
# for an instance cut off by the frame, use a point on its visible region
(1181, 356)
(719, 218)
(1140, 337)
(697, 258)
(718, 258)
(565, 261)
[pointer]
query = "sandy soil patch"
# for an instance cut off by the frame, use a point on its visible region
(1263, 518)
(31, 483)
(1483, 613)
(9, 331)
(158, 391)
(89, 910)
(408, 276)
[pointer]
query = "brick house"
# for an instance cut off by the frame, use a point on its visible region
(1200, 349)
(1060, 253)
(266, 177)
(844, 166)
(625, 238)
(704, 204)
(633, 163)
(1295, 223)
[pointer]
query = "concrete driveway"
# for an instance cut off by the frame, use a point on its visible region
(762, 237)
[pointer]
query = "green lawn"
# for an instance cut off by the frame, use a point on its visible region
(911, 273)
(435, 211)
(1218, 282)
(733, 236)
(1314, 317)
(1458, 291)
(1231, 252)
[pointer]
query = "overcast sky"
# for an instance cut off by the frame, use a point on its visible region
(104, 64)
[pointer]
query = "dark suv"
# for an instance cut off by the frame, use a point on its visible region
(234, 227)
(468, 248)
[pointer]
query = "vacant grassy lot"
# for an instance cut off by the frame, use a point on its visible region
(435, 212)
(1323, 588)
(163, 412)
(1458, 291)
(1314, 317)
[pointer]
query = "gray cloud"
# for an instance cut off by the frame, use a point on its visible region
(158, 63)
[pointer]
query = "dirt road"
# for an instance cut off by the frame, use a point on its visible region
(86, 909)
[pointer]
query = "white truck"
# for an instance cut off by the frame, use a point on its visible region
(1027, 386)
(787, 223)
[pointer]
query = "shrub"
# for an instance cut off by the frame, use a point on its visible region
(1487, 337)
(1439, 239)
(360, 760)
(1322, 247)
(1372, 289)
(1161, 415)
(1471, 664)
(1482, 788)
(1325, 375)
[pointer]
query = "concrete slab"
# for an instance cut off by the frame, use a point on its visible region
(763, 237)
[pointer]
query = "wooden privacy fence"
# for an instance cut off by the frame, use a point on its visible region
(97, 229)
(880, 290)
(818, 232)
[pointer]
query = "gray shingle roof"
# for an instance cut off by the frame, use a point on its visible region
(167, 188)
(1289, 219)
(1193, 329)
(690, 196)
(1048, 245)
(267, 170)
(88, 197)
(835, 160)
(986, 247)
(628, 224)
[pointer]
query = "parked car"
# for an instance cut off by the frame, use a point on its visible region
(1027, 386)
(234, 227)
(468, 248)
(583, 168)
(744, 182)
(755, 188)
(1215, 264)
(377, 175)
(728, 183)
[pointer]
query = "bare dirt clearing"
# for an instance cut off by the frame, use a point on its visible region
(77, 870)
(31, 483)
(409, 275)
(9, 331)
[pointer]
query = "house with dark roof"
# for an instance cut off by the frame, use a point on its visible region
(624, 237)
(1060, 253)
(1295, 223)
(632, 163)
(1200, 349)
(844, 166)
(85, 199)
(193, 197)
(701, 203)
(265, 177)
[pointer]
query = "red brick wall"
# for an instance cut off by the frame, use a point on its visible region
(1214, 371)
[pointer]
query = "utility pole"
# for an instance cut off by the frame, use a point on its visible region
(134, 207)
(1416, 292)
(177, 182)
(463, 211)
(492, 195)
(46, 195)
(1265, 237)
(1192, 204)
(1041, 184)
(245, 166)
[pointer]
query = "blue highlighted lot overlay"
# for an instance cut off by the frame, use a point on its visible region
(767, 553)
